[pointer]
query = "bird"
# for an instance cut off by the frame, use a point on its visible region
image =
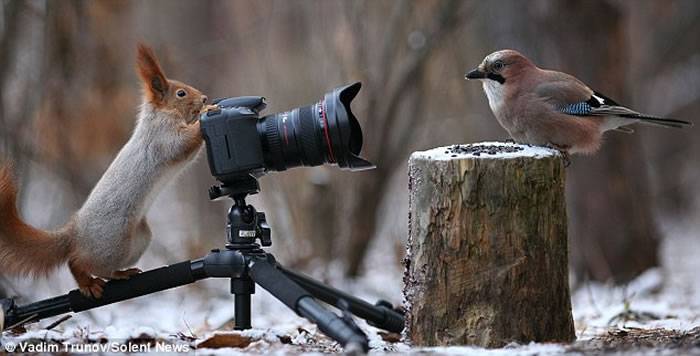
(553, 109)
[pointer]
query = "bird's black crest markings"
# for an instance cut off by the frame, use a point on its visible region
(497, 77)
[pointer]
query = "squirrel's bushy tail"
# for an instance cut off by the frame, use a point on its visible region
(25, 250)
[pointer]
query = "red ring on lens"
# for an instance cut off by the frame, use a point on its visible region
(325, 132)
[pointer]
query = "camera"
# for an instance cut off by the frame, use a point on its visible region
(240, 144)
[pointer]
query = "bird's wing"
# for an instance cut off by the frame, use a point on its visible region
(561, 89)
(569, 96)
(600, 105)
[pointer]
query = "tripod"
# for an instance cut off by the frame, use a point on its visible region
(245, 263)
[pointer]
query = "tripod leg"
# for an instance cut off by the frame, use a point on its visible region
(223, 264)
(288, 292)
(242, 288)
(382, 315)
(114, 291)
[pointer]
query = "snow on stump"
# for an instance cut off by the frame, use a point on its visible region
(487, 256)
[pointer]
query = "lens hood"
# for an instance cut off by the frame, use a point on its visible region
(344, 131)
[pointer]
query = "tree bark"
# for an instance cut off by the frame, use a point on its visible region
(487, 249)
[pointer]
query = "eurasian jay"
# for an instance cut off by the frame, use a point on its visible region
(549, 108)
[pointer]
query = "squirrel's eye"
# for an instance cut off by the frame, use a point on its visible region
(498, 65)
(181, 93)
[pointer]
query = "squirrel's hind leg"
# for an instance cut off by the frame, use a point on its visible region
(125, 274)
(137, 244)
(89, 286)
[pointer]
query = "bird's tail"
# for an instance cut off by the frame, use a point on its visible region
(621, 111)
(659, 121)
(25, 250)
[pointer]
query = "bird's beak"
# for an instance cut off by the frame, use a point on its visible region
(475, 74)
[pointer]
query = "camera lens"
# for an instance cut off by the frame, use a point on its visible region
(324, 132)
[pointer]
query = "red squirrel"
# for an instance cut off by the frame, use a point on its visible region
(107, 236)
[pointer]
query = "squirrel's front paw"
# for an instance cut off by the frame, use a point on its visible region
(207, 108)
(93, 288)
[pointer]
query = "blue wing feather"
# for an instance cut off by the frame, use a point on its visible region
(586, 108)
(577, 109)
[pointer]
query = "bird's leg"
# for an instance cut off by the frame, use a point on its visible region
(563, 150)
(566, 158)
(509, 140)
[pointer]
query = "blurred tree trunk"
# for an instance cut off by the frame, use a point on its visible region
(12, 13)
(62, 98)
(13, 125)
(390, 126)
(10, 144)
(369, 190)
(666, 78)
(320, 227)
(613, 232)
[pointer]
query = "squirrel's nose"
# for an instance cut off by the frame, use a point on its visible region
(204, 99)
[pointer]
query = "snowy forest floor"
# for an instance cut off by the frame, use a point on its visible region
(656, 312)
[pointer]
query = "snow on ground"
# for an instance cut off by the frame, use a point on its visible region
(668, 297)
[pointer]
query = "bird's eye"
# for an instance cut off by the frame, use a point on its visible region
(181, 93)
(498, 65)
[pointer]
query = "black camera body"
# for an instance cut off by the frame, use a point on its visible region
(240, 144)
(231, 135)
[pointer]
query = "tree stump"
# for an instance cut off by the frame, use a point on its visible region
(487, 256)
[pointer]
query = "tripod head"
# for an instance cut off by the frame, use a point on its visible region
(239, 187)
(245, 224)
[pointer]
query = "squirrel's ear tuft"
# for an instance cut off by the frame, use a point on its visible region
(154, 81)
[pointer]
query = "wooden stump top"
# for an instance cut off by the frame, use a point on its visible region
(486, 150)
